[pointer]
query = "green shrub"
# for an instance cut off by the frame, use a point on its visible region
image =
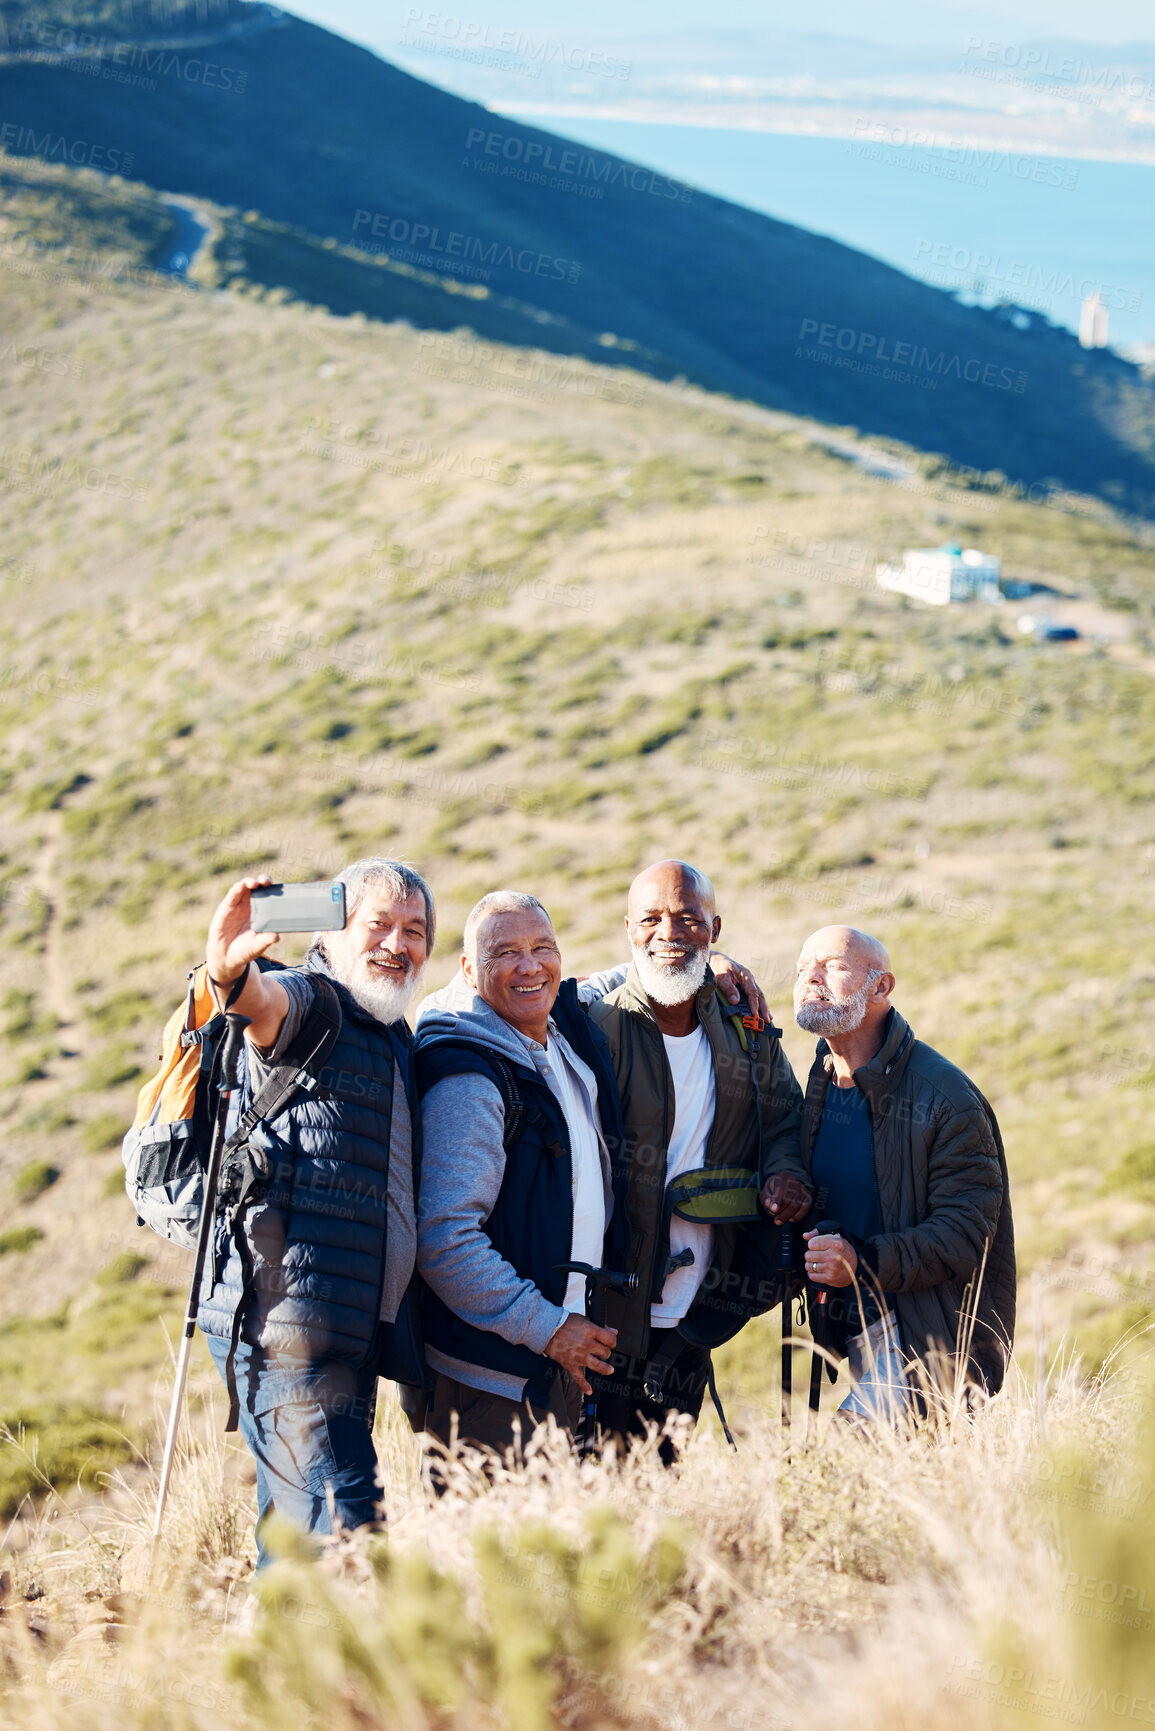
(122, 1268)
(106, 1130)
(108, 1069)
(19, 1005)
(34, 1179)
(47, 1120)
(116, 1015)
(44, 1448)
(19, 1238)
(33, 1067)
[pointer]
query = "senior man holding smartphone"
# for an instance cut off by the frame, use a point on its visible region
(311, 1297)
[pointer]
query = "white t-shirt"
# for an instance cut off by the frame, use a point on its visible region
(692, 1068)
(574, 1086)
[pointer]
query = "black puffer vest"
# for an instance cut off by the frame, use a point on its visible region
(317, 1241)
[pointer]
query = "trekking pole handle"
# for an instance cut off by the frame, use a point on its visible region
(828, 1229)
(231, 1051)
(822, 1293)
(601, 1276)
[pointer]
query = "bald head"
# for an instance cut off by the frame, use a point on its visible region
(849, 941)
(843, 983)
(670, 876)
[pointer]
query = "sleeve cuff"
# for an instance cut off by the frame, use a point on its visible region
(867, 1251)
(545, 1326)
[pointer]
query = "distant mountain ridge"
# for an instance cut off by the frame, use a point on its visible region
(346, 152)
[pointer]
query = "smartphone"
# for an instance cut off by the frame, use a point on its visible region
(299, 908)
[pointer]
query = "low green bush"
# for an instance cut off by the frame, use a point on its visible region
(19, 1238)
(54, 1448)
(106, 1130)
(108, 1069)
(34, 1179)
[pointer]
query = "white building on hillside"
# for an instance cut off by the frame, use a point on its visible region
(944, 574)
(1093, 322)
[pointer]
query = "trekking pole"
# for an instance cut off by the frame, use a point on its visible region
(599, 1281)
(818, 1332)
(230, 1053)
(786, 1263)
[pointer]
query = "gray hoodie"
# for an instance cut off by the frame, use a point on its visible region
(462, 1167)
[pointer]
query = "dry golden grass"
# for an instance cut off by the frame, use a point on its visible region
(951, 1579)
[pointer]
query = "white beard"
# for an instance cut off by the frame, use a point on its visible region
(837, 1016)
(386, 999)
(671, 986)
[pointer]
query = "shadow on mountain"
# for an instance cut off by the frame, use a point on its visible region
(354, 185)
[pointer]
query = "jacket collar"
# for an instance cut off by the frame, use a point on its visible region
(884, 1071)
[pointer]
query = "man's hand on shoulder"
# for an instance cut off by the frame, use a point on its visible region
(738, 982)
(580, 1345)
(785, 1199)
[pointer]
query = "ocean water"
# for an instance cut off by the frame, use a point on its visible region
(1041, 231)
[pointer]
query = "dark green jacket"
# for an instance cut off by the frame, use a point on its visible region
(738, 1137)
(945, 1201)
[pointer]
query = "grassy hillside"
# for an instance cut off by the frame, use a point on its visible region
(337, 150)
(282, 589)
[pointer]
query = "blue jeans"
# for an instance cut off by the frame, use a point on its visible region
(306, 1439)
(879, 1387)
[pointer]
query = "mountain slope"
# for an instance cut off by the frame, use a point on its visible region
(282, 589)
(311, 131)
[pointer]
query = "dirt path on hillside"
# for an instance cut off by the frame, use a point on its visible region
(56, 980)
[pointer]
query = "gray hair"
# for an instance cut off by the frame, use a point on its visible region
(399, 879)
(498, 902)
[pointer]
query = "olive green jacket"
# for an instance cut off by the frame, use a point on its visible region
(947, 1246)
(766, 1140)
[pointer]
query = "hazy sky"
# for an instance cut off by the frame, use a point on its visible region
(380, 22)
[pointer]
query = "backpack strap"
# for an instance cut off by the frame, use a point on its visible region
(244, 1174)
(749, 1029)
(304, 1058)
